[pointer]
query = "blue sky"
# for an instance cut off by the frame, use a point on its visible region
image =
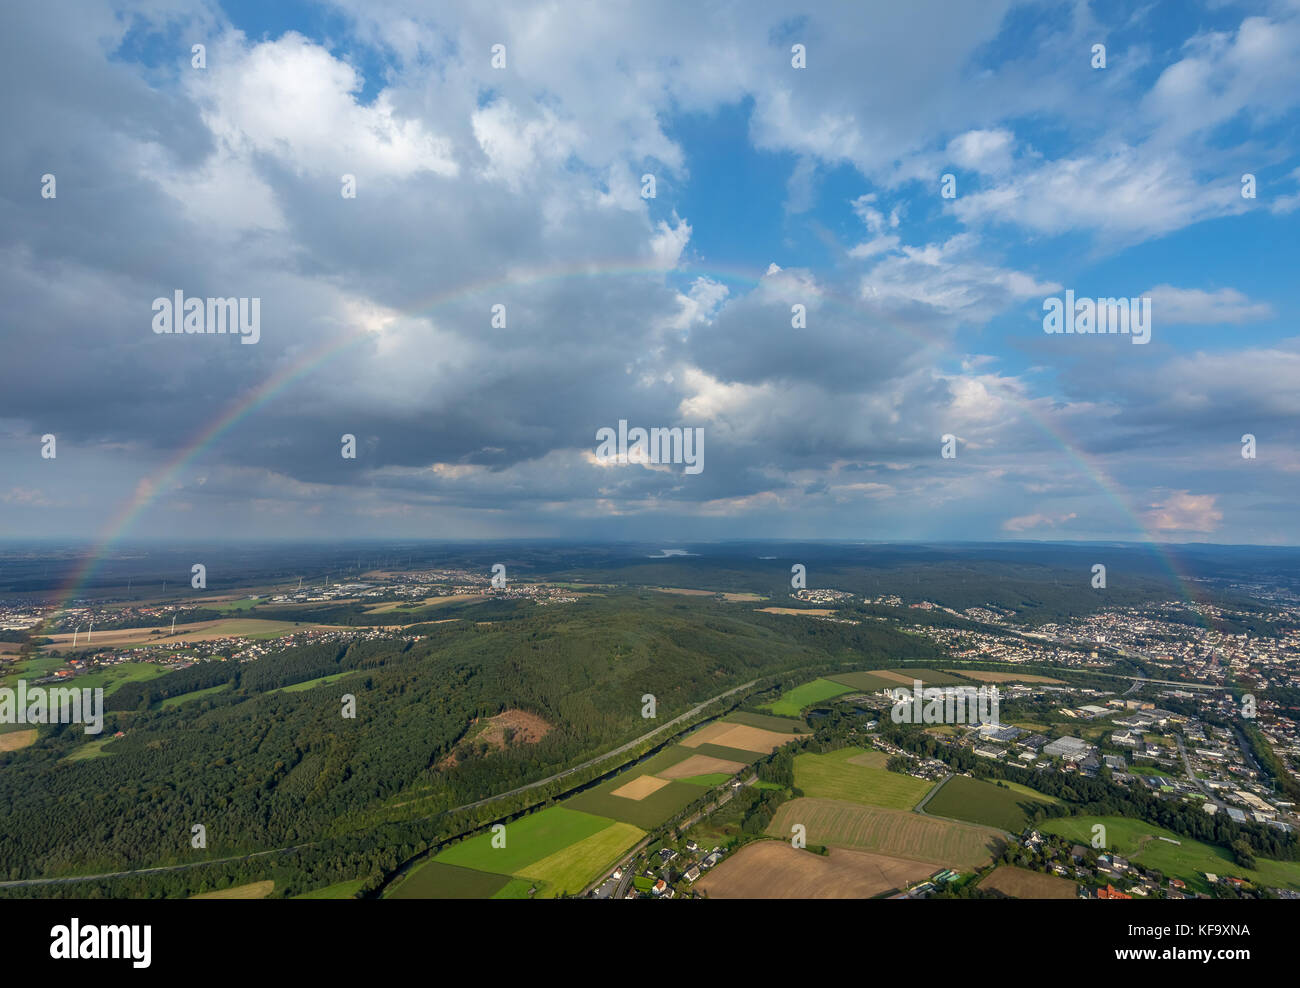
(775, 186)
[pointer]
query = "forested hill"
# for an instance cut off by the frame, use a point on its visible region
(262, 767)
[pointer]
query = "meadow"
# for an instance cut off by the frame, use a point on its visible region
(1138, 841)
(308, 684)
(554, 852)
(892, 679)
(794, 702)
(983, 802)
(646, 813)
(859, 776)
(567, 872)
(782, 725)
(528, 839)
(340, 890)
(712, 779)
(91, 749)
(175, 701)
(435, 880)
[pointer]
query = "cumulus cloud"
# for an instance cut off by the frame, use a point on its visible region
(292, 99)
(521, 187)
(1181, 511)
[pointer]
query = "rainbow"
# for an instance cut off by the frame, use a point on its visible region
(149, 489)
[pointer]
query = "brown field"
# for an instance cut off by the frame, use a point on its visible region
(903, 678)
(893, 832)
(772, 869)
(743, 597)
(1001, 677)
(17, 739)
(738, 736)
(253, 890)
(700, 765)
(1020, 883)
(640, 787)
(10, 648)
(233, 627)
(814, 611)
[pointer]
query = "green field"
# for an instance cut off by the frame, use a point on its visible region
(516, 888)
(240, 605)
(873, 681)
(111, 677)
(91, 749)
(176, 701)
(645, 813)
(654, 809)
(528, 839)
(568, 872)
(436, 880)
(713, 779)
(655, 764)
(833, 776)
(1026, 791)
(342, 890)
(30, 669)
(730, 754)
(983, 802)
(783, 725)
(794, 702)
(1135, 840)
(554, 852)
(310, 683)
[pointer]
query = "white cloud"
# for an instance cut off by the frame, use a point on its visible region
(950, 279)
(1185, 306)
(1181, 511)
(667, 244)
(1027, 523)
(1126, 194)
(518, 149)
(292, 99)
(986, 151)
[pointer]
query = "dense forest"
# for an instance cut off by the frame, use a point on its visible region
(261, 768)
